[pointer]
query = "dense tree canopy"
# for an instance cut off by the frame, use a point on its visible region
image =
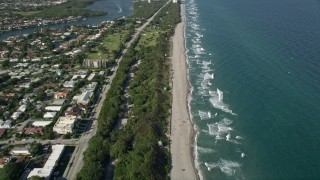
(135, 147)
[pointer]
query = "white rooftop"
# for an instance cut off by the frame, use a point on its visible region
(22, 108)
(48, 168)
(69, 83)
(16, 115)
(53, 108)
(41, 123)
(49, 115)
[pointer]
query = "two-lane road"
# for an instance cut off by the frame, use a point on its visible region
(76, 161)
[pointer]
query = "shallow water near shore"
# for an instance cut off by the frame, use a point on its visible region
(254, 69)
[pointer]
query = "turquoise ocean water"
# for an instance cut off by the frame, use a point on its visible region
(254, 69)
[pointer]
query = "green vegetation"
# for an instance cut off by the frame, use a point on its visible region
(149, 38)
(26, 13)
(98, 150)
(138, 154)
(70, 8)
(143, 9)
(109, 46)
(11, 171)
(35, 148)
(136, 147)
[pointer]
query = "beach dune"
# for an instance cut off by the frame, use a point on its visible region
(181, 127)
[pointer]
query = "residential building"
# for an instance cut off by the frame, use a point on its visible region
(60, 94)
(16, 115)
(22, 108)
(4, 161)
(53, 108)
(58, 102)
(34, 130)
(47, 170)
(64, 124)
(3, 132)
(92, 86)
(6, 125)
(20, 151)
(41, 123)
(49, 115)
(69, 84)
(85, 98)
(101, 73)
(75, 110)
(91, 76)
(80, 74)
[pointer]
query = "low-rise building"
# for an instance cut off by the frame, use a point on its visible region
(69, 84)
(3, 132)
(47, 170)
(53, 108)
(49, 115)
(4, 161)
(84, 98)
(6, 124)
(24, 85)
(91, 76)
(41, 123)
(80, 74)
(61, 94)
(58, 102)
(64, 124)
(75, 110)
(20, 151)
(101, 73)
(92, 86)
(22, 108)
(34, 130)
(16, 115)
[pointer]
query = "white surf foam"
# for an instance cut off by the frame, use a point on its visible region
(239, 137)
(217, 101)
(228, 137)
(204, 150)
(220, 128)
(208, 76)
(204, 115)
(226, 166)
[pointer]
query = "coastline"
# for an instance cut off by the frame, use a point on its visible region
(182, 133)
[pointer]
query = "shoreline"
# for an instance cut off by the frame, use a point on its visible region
(182, 128)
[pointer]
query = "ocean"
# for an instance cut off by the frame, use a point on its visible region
(254, 72)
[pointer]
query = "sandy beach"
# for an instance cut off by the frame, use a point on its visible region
(181, 126)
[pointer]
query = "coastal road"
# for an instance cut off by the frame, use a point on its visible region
(29, 141)
(77, 158)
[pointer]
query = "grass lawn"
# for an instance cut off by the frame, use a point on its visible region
(148, 38)
(110, 43)
(26, 13)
